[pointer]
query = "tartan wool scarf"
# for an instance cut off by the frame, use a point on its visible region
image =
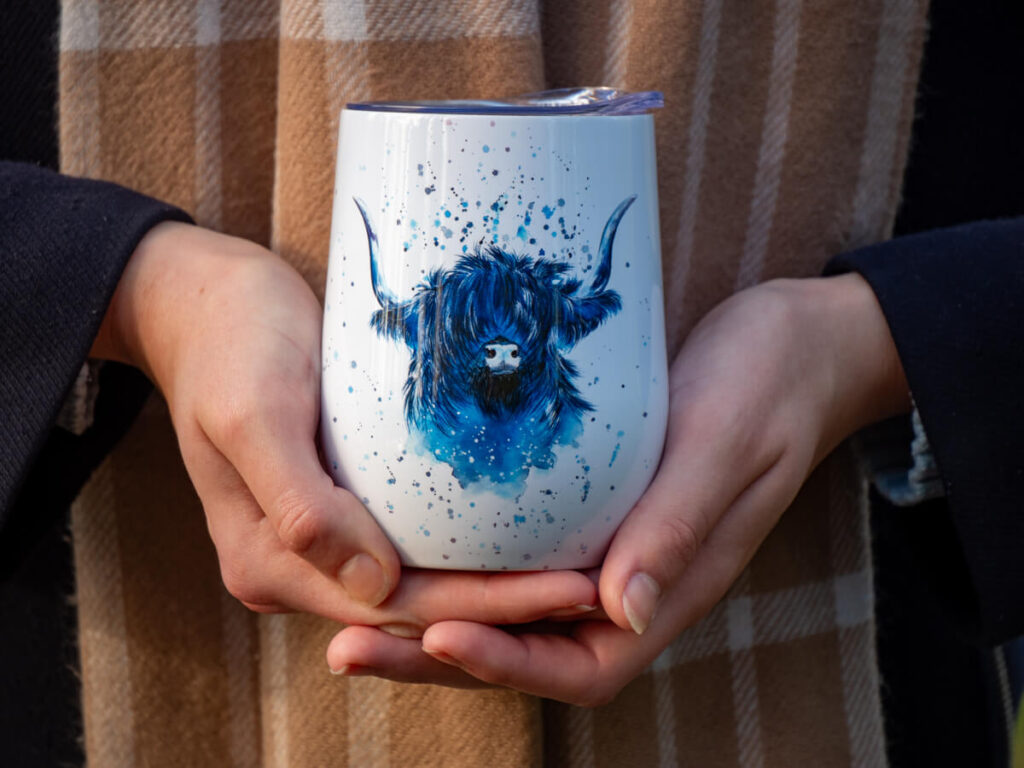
(783, 141)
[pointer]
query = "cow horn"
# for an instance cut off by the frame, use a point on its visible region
(384, 296)
(604, 265)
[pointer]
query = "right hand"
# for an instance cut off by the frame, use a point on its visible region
(230, 334)
(763, 389)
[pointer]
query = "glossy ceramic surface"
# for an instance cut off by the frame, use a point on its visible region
(494, 373)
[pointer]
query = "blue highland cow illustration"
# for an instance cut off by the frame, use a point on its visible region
(490, 390)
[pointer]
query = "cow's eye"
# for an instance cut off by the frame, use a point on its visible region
(491, 352)
(514, 353)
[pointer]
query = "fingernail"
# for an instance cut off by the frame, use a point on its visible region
(640, 601)
(351, 670)
(572, 610)
(442, 656)
(364, 579)
(410, 631)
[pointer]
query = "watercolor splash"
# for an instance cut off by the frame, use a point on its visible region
(490, 391)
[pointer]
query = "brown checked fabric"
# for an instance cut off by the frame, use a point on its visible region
(782, 142)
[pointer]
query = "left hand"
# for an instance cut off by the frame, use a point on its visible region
(764, 388)
(230, 334)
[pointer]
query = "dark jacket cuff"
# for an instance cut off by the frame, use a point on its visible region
(954, 302)
(63, 245)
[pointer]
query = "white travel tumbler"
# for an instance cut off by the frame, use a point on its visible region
(494, 370)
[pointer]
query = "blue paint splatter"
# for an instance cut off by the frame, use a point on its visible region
(521, 233)
(548, 211)
(615, 454)
(486, 148)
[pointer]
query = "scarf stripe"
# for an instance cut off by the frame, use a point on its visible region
(207, 111)
(744, 675)
(274, 690)
(239, 633)
(103, 641)
(873, 207)
(696, 148)
(369, 722)
(665, 711)
(617, 39)
(774, 134)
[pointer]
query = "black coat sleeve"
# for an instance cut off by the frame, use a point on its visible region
(954, 302)
(63, 245)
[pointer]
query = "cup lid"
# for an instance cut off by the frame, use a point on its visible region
(561, 101)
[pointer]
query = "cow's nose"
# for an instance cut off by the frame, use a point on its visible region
(501, 356)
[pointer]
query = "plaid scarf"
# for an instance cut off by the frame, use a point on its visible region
(783, 142)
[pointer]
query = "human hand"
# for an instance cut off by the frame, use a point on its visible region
(231, 335)
(766, 386)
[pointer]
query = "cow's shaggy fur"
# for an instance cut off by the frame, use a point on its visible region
(492, 426)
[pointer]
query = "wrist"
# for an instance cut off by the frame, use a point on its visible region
(867, 379)
(144, 320)
(118, 336)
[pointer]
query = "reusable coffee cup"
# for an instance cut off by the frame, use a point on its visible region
(494, 369)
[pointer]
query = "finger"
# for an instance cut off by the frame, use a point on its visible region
(364, 650)
(426, 597)
(505, 598)
(663, 533)
(590, 665)
(267, 578)
(587, 668)
(737, 537)
(598, 614)
(255, 567)
(728, 549)
(260, 572)
(271, 580)
(275, 453)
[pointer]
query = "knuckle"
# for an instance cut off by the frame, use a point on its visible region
(241, 584)
(679, 538)
(301, 522)
(235, 418)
